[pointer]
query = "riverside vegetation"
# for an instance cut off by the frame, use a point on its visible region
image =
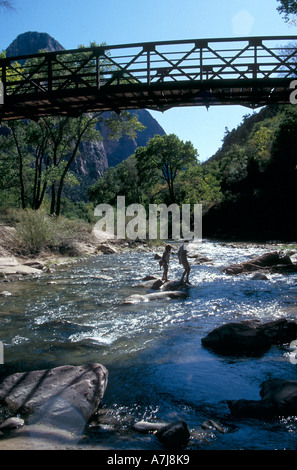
(247, 189)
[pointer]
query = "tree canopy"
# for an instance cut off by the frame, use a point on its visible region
(162, 160)
(166, 171)
(287, 7)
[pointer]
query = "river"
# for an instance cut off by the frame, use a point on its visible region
(158, 369)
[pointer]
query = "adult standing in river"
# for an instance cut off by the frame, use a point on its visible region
(183, 259)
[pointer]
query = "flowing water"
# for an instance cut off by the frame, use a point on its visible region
(158, 369)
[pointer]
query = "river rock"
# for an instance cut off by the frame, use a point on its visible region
(5, 293)
(174, 435)
(154, 284)
(259, 277)
(150, 277)
(106, 249)
(18, 269)
(268, 260)
(249, 337)
(35, 264)
(146, 427)
(212, 425)
(136, 298)
(103, 277)
(65, 396)
(173, 285)
(200, 259)
(11, 423)
(278, 398)
(8, 261)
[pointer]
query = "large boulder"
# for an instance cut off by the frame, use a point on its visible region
(65, 396)
(173, 285)
(278, 398)
(272, 260)
(249, 337)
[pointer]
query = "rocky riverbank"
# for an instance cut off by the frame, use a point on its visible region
(14, 265)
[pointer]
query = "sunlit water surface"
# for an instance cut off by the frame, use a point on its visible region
(158, 369)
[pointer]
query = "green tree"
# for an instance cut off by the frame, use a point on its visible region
(198, 184)
(9, 180)
(162, 160)
(122, 180)
(284, 147)
(46, 149)
(287, 7)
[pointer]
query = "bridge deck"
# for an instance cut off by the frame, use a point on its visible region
(251, 72)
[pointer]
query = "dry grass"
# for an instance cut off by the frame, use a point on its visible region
(31, 233)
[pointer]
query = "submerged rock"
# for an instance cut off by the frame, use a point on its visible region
(212, 425)
(260, 277)
(278, 398)
(250, 336)
(174, 435)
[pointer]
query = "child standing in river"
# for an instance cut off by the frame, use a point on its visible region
(165, 262)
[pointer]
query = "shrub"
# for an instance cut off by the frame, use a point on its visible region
(33, 231)
(37, 232)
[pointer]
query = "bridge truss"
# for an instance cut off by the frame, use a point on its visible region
(252, 72)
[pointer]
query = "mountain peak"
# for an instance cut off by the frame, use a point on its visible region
(32, 42)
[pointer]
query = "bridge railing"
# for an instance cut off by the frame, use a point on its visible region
(150, 63)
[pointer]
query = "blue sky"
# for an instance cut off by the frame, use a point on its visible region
(75, 22)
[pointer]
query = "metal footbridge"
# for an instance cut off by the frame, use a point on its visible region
(249, 71)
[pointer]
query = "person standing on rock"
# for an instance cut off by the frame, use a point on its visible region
(165, 262)
(183, 259)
